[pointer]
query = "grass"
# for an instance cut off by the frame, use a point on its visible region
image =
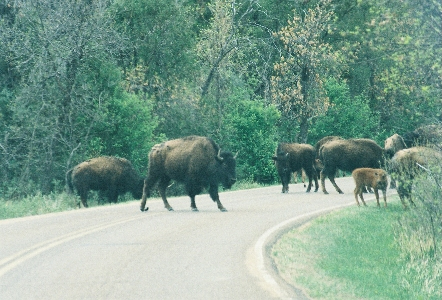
(349, 254)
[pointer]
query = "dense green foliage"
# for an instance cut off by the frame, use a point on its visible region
(85, 78)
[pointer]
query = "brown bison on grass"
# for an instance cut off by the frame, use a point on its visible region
(347, 155)
(196, 161)
(367, 177)
(112, 175)
(293, 158)
(408, 163)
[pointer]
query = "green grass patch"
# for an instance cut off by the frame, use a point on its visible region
(348, 254)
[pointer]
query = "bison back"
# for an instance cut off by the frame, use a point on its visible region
(184, 158)
(348, 155)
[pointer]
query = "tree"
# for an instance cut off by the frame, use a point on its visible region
(297, 86)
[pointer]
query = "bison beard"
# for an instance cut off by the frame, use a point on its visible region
(196, 161)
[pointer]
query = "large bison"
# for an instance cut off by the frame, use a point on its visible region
(348, 155)
(406, 164)
(196, 161)
(293, 158)
(422, 136)
(115, 176)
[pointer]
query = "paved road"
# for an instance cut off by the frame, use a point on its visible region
(118, 252)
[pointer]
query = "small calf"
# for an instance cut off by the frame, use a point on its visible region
(375, 178)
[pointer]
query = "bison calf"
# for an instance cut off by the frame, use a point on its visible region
(375, 178)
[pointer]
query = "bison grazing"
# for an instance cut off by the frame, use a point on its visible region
(375, 178)
(196, 161)
(347, 155)
(292, 158)
(406, 164)
(113, 175)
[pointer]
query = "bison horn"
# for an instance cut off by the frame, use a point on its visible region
(220, 158)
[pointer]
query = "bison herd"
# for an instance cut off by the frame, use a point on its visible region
(198, 163)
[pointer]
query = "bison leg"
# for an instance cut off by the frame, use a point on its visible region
(213, 191)
(164, 182)
(356, 192)
(376, 193)
(332, 180)
(147, 187)
(193, 204)
(384, 192)
(322, 178)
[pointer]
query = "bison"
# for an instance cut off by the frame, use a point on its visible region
(422, 136)
(406, 164)
(196, 161)
(348, 155)
(375, 178)
(293, 158)
(112, 175)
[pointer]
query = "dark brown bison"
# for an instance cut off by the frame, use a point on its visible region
(422, 136)
(375, 178)
(347, 155)
(196, 161)
(293, 158)
(406, 164)
(324, 140)
(112, 175)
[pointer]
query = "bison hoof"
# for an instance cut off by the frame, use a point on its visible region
(223, 209)
(169, 208)
(341, 192)
(194, 209)
(144, 209)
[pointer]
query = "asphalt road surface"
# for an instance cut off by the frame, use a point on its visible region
(118, 252)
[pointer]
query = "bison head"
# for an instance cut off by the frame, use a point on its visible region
(227, 167)
(393, 144)
(282, 163)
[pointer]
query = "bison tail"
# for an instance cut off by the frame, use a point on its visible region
(69, 185)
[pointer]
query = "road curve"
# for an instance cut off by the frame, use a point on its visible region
(118, 252)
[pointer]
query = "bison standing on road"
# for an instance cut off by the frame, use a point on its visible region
(113, 175)
(347, 155)
(406, 164)
(196, 161)
(292, 158)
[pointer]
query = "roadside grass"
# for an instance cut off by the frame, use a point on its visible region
(348, 254)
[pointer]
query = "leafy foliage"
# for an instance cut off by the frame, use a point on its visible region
(346, 117)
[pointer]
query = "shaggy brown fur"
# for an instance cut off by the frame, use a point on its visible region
(113, 175)
(347, 155)
(406, 164)
(422, 136)
(293, 158)
(196, 161)
(375, 178)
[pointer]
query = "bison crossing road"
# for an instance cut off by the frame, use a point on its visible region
(116, 252)
(196, 161)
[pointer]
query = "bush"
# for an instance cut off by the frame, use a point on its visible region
(419, 234)
(347, 117)
(252, 132)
